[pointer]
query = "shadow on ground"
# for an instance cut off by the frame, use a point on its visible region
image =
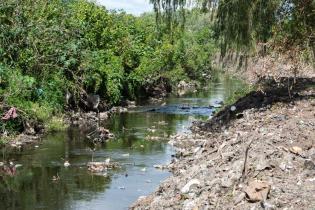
(270, 91)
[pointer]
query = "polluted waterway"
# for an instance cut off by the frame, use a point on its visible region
(41, 180)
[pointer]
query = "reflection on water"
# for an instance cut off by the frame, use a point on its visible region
(33, 186)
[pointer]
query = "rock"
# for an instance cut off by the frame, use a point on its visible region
(267, 206)
(182, 84)
(119, 110)
(189, 205)
(125, 155)
(226, 182)
(283, 166)
(296, 150)
(131, 104)
(308, 164)
(239, 198)
(160, 167)
(257, 191)
(262, 164)
(192, 183)
(197, 149)
(103, 115)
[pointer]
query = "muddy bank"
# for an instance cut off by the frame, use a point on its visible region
(258, 153)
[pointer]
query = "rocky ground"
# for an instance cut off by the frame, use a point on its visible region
(258, 153)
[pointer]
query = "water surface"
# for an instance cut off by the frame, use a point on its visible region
(140, 142)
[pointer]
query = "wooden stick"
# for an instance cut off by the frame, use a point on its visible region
(244, 172)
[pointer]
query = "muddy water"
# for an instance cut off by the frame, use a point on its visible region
(140, 142)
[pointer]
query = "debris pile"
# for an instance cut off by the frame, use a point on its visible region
(264, 159)
(98, 167)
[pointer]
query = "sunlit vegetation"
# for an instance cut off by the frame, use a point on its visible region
(241, 25)
(51, 47)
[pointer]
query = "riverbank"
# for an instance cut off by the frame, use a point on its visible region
(33, 131)
(256, 153)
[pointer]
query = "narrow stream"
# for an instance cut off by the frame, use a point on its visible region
(140, 142)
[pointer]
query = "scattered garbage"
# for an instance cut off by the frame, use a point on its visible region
(11, 114)
(100, 135)
(125, 155)
(215, 168)
(192, 183)
(97, 167)
(66, 164)
(257, 191)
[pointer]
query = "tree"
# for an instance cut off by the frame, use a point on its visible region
(241, 23)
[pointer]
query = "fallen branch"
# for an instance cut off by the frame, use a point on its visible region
(244, 172)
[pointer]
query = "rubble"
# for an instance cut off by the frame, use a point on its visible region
(257, 191)
(263, 159)
(187, 188)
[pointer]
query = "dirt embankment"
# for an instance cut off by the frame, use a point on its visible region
(257, 67)
(258, 153)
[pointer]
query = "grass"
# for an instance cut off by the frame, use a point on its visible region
(56, 124)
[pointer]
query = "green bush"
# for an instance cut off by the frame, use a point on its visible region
(49, 47)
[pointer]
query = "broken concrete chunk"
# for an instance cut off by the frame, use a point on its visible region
(257, 191)
(296, 150)
(192, 183)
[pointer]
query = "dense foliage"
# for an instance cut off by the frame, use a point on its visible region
(241, 24)
(51, 47)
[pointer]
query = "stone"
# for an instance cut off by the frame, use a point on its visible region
(161, 167)
(262, 164)
(257, 191)
(192, 183)
(308, 164)
(103, 115)
(238, 198)
(226, 182)
(267, 206)
(296, 150)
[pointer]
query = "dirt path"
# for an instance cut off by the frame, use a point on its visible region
(261, 155)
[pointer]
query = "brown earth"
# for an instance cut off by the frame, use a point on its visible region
(261, 155)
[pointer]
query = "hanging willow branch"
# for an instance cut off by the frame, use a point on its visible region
(242, 23)
(170, 12)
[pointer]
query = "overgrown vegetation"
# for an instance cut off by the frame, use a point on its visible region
(241, 25)
(51, 47)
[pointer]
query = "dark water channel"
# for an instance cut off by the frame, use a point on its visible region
(140, 142)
